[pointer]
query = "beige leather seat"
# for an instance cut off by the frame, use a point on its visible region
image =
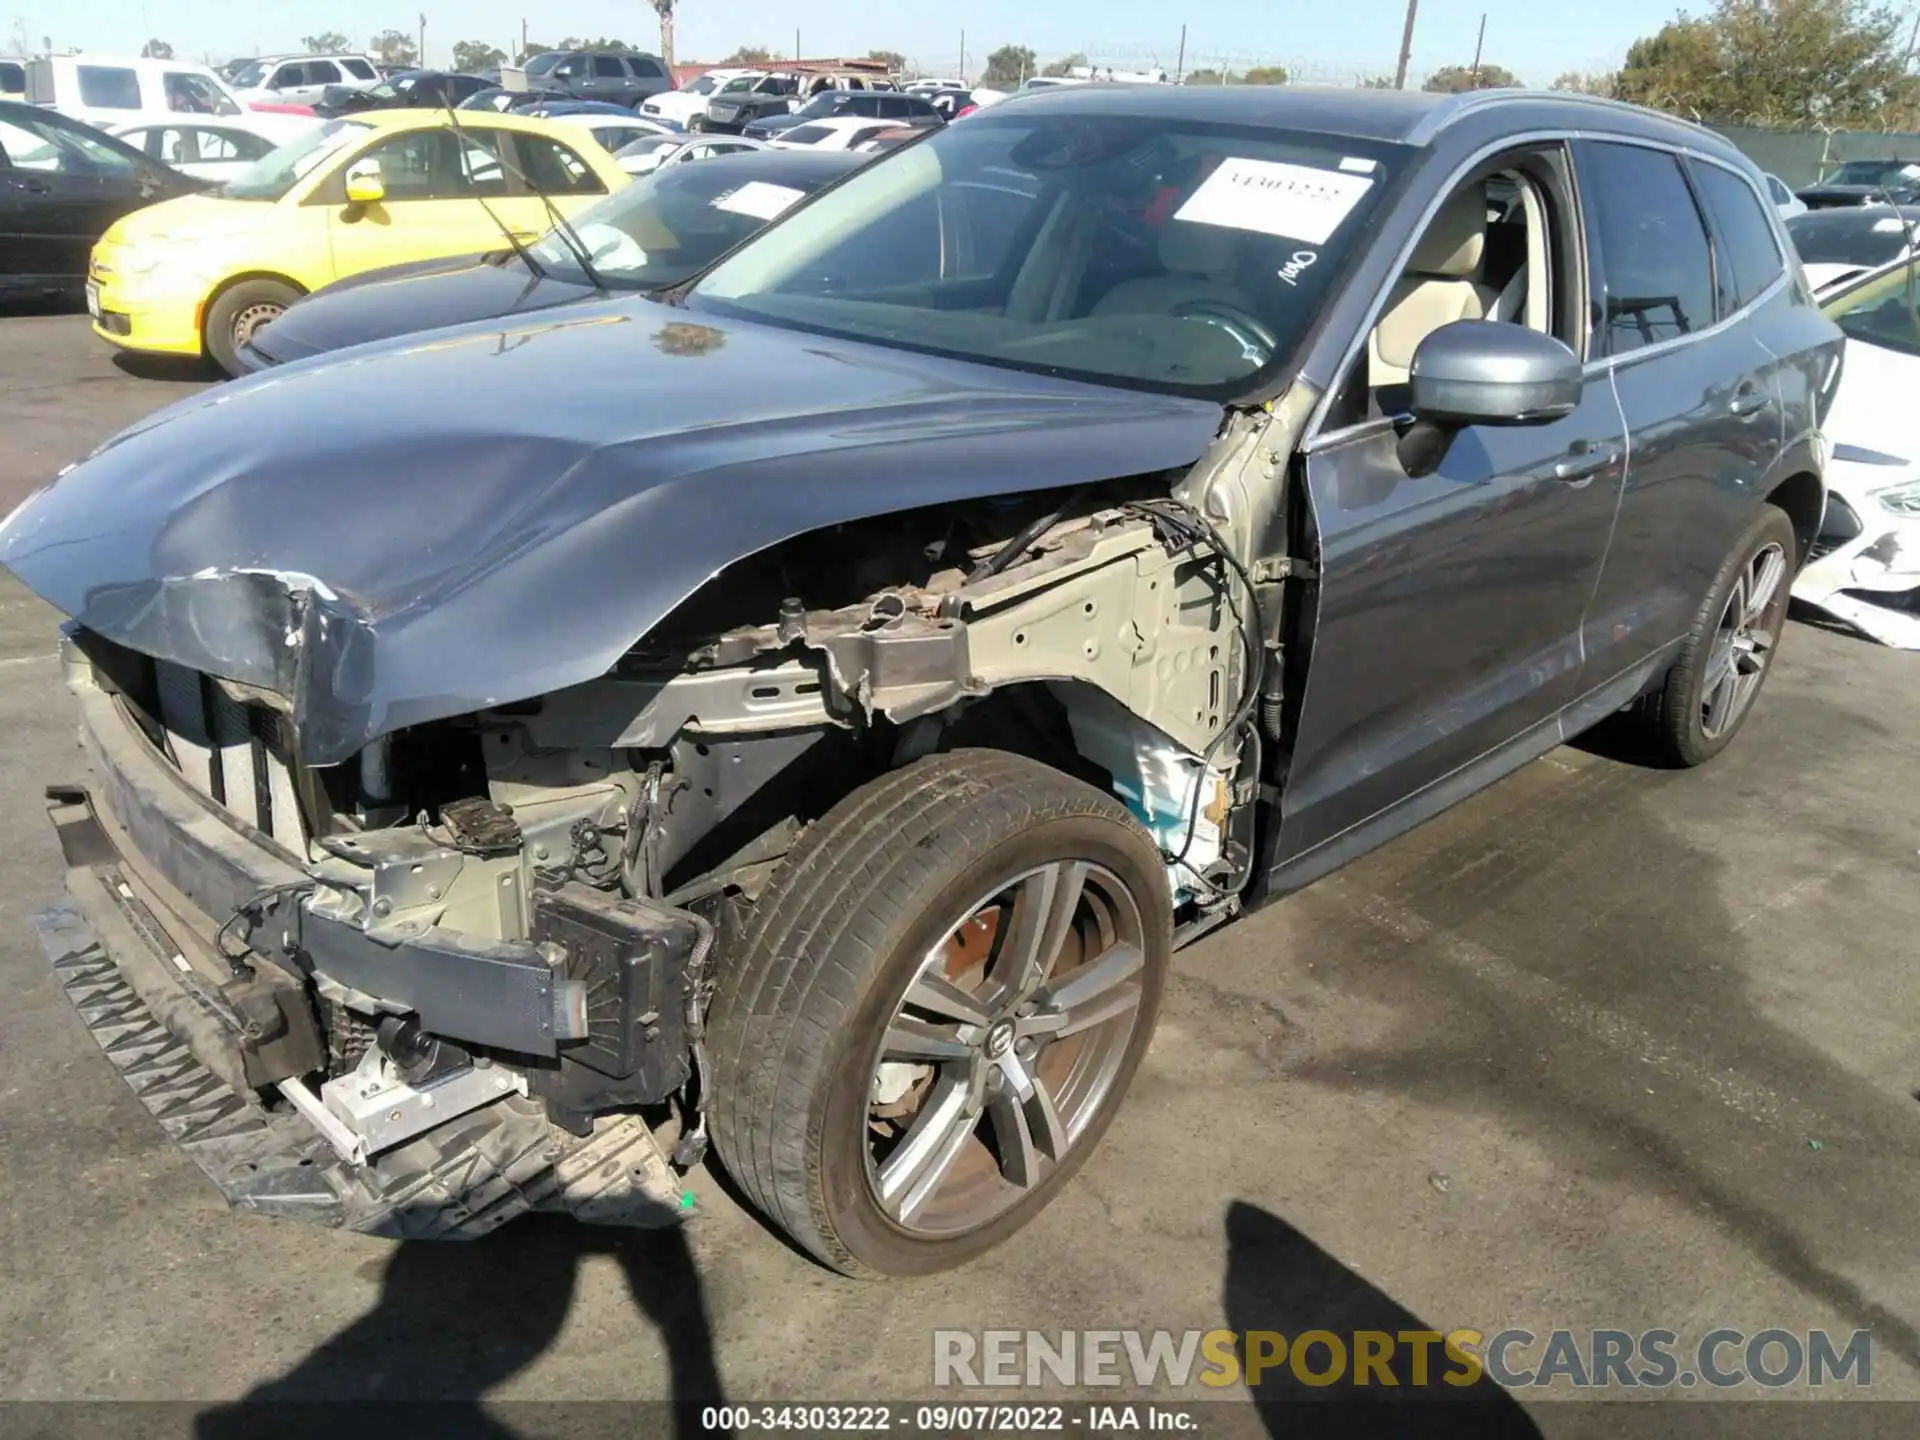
(1199, 263)
(1441, 285)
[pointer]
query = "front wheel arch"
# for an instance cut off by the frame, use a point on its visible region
(228, 283)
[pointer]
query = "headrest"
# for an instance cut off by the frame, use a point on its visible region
(1190, 248)
(1454, 242)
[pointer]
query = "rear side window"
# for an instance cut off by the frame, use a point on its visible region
(608, 67)
(358, 69)
(1656, 280)
(1748, 260)
(322, 72)
(1781, 195)
(647, 69)
(108, 87)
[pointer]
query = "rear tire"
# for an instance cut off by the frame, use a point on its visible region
(1710, 690)
(887, 1087)
(237, 312)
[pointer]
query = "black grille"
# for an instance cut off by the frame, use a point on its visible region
(232, 753)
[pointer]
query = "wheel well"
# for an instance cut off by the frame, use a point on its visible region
(213, 297)
(1804, 499)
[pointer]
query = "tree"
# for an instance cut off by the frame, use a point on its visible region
(1206, 75)
(1458, 79)
(1265, 75)
(474, 56)
(895, 62)
(1008, 66)
(395, 48)
(749, 55)
(664, 9)
(576, 42)
(1376, 82)
(1064, 65)
(1806, 64)
(1601, 82)
(156, 50)
(327, 42)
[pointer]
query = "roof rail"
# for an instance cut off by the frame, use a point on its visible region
(1457, 107)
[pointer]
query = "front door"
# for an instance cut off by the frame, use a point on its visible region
(1450, 593)
(60, 188)
(434, 181)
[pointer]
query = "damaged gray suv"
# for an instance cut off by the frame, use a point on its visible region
(809, 713)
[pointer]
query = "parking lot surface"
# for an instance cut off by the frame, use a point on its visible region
(1604, 1047)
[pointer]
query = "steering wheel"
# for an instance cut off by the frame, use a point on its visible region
(1257, 342)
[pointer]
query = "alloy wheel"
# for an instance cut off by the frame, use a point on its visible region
(1004, 1047)
(1744, 641)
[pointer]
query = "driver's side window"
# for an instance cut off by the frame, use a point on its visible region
(1498, 249)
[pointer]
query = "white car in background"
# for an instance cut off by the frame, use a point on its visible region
(656, 152)
(1843, 241)
(301, 79)
(680, 106)
(1865, 565)
(616, 132)
(842, 133)
(1785, 203)
(208, 149)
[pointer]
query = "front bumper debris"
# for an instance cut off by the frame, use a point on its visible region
(457, 1182)
(1865, 570)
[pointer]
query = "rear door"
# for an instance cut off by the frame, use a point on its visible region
(1450, 593)
(606, 78)
(1698, 390)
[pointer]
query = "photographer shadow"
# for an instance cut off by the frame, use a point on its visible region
(455, 1320)
(1279, 1280)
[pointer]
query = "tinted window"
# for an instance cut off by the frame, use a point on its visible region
(322, 72)
(13, 78)
(288, 77)
(358, 69)
(805, 134)
(553, 169)
(1881, 311)
(1864, 236)
(608, 67)
(893, 106)
(1748, 257)
(1657, 272)
(108, 87)
(34, 144)
(647, 69)
(1781, 195)
(920, 108)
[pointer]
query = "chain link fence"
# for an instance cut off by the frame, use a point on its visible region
(1800, 157)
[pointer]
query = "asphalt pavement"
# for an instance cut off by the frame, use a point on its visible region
(1605, 1047)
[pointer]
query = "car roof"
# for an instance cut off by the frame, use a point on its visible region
(817, 166)
(1410, 117)
(427, 116)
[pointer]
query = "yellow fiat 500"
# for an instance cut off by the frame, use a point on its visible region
(199, 274)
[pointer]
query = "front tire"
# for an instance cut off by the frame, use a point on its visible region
(237, 312)
(937, 1009)
(1710, 691)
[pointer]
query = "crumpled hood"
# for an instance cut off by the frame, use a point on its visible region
(417, 529)
(406, 299)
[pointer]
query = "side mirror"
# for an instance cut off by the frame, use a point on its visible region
(365, 186)
(564, 72)
(1481, 372)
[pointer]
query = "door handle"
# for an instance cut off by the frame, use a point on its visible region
(1584, 460)
(32, 187)
(1749, 400)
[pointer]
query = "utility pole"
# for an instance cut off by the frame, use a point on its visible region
(1180, 65)
(523, 40)
(423, 42)
(1406, 46)
(962, 77)
(796, 44)
(1477, 44)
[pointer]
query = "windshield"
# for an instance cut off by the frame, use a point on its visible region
(1864, 237)
(541, 64)
(1881, 310)
(702, 86)
(1163, 254)
(669, 224)
(1873, 172)
(278, 171)
(249, 76)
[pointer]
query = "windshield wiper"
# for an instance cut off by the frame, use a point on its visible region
(560, 222)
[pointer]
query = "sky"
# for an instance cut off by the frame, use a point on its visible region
(1535, 38)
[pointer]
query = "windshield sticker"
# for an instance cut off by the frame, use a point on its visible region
(1299, 202)
(1359, 165)
(759, 199)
